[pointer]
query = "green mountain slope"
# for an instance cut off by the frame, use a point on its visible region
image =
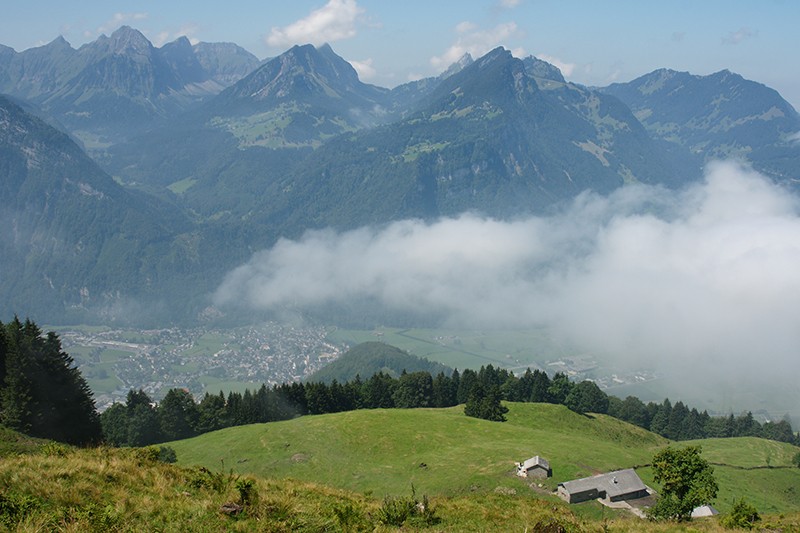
(722, 115)
(441, 451)
(76, 240)
(493, 138)
(369, 358)
(382, 450)
(46, 486)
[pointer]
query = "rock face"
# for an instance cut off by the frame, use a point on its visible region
(721, 115)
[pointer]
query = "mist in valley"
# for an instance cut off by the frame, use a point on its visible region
(699, 284)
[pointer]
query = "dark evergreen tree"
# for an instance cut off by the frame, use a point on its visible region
(559, 388)
(378, 391)
(586, 397)
(659, 421)
(211, 413)
(540, 388)
(144, 427)
(444, 391)
(485, 403)
(634, 411)
(414, 390)
(675, 422)
(466, 382)
(178, 415)
(114, 422)
(43, 393)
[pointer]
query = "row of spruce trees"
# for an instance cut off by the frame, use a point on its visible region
(140, 421)
(43, 394)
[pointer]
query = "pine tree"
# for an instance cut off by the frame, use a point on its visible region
(43, 393)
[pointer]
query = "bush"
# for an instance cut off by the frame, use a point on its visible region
(167, 455)
(742, 516)
(247, 491)
(396, 511)
(15, 507)
(203, 478)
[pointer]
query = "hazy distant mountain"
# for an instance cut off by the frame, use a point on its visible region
(300, 142)
(112, 87)
(369, 358)
(721, 115)
(492, 138)
(299, 98)
(74, 240)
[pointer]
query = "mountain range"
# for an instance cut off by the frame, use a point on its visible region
(201, 155)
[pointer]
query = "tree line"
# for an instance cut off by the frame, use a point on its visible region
(140, 421)
(43, 394)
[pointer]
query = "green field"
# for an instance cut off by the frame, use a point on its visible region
(443, 452)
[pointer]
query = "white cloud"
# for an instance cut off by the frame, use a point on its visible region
(475, 42)
(163, 37)
(736, 37)
(566, 68)
(509, 4)
(120, 19)
(364, 68)
(704, 278)
(795, 138)
(335, 21)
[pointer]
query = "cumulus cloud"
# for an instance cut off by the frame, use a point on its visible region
(120, 19)
(566, 68)
(335, 21)
(704, 278)
(364, 68)
(475, 42)
(738, 36)
(163, 37)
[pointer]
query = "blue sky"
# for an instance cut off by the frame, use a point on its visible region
(594, 42)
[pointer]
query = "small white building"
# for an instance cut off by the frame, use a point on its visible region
(704, 511)
(536, 467)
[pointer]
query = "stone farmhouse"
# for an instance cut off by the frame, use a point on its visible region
(614, 486)
(535, 467)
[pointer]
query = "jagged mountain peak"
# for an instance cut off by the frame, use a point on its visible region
(539, 68)
(301, 71)
(124, 40)
(59, 42)
(463, 62)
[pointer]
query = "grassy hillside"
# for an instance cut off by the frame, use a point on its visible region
(443, 452)
(440, 451)
(51, 487)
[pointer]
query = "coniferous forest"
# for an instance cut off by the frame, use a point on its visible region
(43, 394)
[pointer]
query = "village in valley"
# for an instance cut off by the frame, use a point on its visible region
(205, 359)
(199, 360)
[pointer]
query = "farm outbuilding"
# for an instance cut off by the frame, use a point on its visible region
(704, 511)
(614, 486)
(536, 467)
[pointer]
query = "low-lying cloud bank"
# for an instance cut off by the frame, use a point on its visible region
(707, 277)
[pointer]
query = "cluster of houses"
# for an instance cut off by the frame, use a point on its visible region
(612, 487)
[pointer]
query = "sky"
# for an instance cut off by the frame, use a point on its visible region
(593, 42)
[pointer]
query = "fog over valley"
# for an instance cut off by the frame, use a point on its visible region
(702, 280)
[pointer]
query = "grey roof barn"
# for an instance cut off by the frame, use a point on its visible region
(613, 486)
(534, 467)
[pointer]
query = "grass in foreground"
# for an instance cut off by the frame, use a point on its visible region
(51, 487)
